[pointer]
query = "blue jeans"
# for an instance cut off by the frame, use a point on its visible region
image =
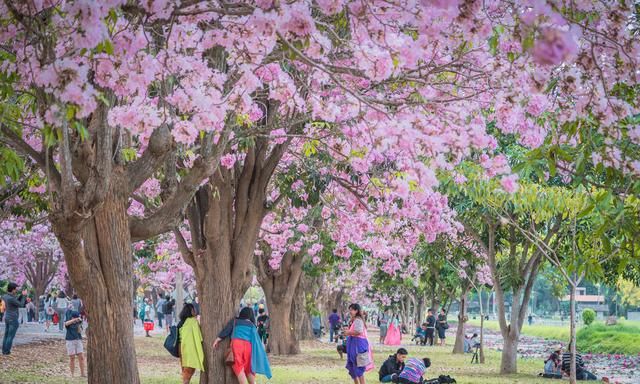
(331, 340)
(160, 317)
(586, 375)
(10, 329)
(386, 379)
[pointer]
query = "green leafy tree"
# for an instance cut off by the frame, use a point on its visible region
(588, 316)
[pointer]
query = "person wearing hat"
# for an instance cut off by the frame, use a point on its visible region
(74, 342)
(553, 364)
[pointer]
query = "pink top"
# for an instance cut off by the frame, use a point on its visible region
(363, 335)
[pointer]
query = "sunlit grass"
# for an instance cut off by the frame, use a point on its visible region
(318, 364)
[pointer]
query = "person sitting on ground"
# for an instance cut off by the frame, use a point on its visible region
(553, 364)
(581, 372)
(341, 339)
(73, 340)
(392, 367)
(421, 334)
(470, 342)
(413, 371)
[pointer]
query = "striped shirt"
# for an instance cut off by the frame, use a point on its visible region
(413, 370)
(566, 362)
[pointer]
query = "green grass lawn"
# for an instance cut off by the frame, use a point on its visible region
(318, 364)
(623, 338)
(550, 332)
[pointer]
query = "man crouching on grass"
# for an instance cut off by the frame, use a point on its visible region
(74, 342)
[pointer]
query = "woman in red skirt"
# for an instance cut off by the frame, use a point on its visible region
(249, 356)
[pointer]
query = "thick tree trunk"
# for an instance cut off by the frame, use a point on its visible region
(282, 337)
(509, 362)
(458, 347)
(299, 315)
(219, 303)
(224, 221)
(100, 264)
(279, 287)
(220, 287)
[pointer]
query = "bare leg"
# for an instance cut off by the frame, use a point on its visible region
(82, 365)
(252, 378)
(242, 378)
(72, 366)
(361, 380)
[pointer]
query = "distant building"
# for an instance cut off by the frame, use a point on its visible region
(584, 301)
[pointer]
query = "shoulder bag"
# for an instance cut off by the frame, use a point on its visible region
(228, 354)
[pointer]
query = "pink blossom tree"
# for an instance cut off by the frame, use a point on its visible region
(30, 255)
(116, 99)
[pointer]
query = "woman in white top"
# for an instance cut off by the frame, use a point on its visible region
(62, 304)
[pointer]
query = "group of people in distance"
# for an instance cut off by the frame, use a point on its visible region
(425, 332)
(67, 313)
(558, 364)
(399, 369)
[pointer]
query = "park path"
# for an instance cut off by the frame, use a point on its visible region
(619, 368)
(33, 332)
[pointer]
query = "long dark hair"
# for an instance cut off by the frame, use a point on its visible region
(246, 313)
(187, 312)
(356, 307)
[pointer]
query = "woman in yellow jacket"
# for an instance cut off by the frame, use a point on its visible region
(191, 353)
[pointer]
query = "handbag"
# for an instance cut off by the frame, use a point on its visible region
(363, 359)
(228, 354)
(172, 342)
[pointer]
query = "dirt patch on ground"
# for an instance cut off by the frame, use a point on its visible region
(40, 359)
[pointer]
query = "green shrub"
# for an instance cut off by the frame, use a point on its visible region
(588, 316)
(612, 339)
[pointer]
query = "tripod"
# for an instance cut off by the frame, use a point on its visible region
(475, 358)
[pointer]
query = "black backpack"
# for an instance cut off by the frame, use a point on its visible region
(446, 379)
(172, 342)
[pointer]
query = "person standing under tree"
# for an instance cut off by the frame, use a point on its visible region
(431, 326)
(359, 354)
(76, 303)
(443, 325)
(160, 309)
(42, 315)
(168, 311)
(249, 356)
(334, 325)
(11, 324)
(73, 339)
(263, 325)
(384, 325)
(191, 351)
(62, 304)
(31, 310)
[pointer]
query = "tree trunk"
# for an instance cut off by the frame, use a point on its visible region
(218, 304)
(481, 359)
(299, 315)
(509, 362)
(100, 263)
(282, 337)
(279, 287)
(224, 221)
(458, 347)
(572, 298)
